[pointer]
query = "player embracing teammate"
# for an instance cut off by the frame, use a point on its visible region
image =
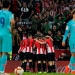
(40, 54)
(50, 54)
(42, 48)
(25, 51)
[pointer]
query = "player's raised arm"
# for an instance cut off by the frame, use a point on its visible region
(66, 34)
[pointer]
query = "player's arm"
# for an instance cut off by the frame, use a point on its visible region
(34, 43)
(41, 42)
(19, 3)
(50, 38)
(66, 34)
(12, 21)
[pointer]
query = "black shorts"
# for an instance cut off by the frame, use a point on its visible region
(50, 57)
(40, 57)
(21, 54)
(34, 58)
(25, 56)
(28, 56)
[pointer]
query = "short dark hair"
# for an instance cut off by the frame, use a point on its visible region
(29, 35)
(6, 4)
(72, 12)
(35, 36)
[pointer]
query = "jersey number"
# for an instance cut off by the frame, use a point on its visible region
(2, 21)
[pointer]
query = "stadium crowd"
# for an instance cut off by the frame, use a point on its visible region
(41, 17)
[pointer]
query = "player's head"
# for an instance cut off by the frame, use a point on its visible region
(6, 4)
(46, 36)
(35, 36)
(73, 13)
(40, 37)
(29, 36)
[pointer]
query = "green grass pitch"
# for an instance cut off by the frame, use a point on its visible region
(43, 74)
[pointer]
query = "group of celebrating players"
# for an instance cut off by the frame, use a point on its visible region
(38, 49)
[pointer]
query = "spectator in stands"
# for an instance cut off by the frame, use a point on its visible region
(14, 6)
(50, 33)
(1, 5)
(45, 4)
(16, 41)
(45, 27)
(58, 40)
(54, 30)
(24, 13)
(16, 22)
(35, 21)
(50, 19)
(60, 19)
(63, 57)
(20, 31)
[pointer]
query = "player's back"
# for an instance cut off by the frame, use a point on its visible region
(5, 17)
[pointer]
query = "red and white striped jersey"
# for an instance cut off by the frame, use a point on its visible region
(50, 47)
(66, 8)
(45, 4)
(22, 46)
(43, 47)
(61, 10)
(40, 47)
(71, 4)
(29, 45)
